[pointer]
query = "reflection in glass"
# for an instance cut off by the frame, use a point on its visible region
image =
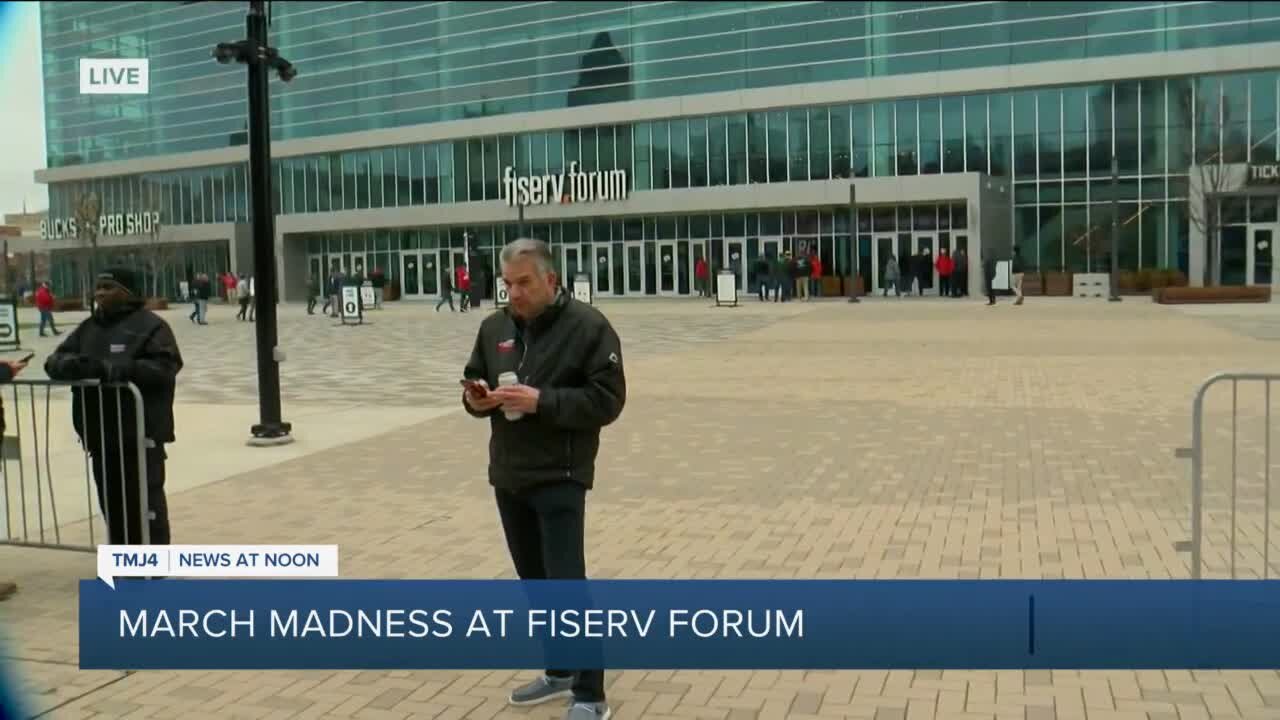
(1234, 255)
(1263, 247)
(667, 267)
(635, 270)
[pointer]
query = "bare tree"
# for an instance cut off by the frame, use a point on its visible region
(1208, 117)
(87, 212)
(157, 254)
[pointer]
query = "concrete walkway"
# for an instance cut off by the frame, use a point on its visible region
(889, 439)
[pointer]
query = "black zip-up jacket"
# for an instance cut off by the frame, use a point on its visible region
(572, 355)
(129, 344)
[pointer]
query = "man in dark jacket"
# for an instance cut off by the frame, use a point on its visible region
(989, 276)
(569, 383)
(122, 342)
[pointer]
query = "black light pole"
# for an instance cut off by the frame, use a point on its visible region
(260, 58)
(1115, 230)
(853, 242)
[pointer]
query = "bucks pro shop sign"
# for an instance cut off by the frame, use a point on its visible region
(566, 187)
(115, 224)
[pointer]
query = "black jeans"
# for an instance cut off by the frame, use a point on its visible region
(545, 528)
(46, 318)
(118, 493)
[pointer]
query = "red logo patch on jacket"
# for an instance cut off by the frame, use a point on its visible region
(507, 346)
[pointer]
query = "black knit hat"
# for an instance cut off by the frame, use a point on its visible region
(124, 277)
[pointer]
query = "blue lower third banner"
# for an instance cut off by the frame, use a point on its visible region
(679, 624)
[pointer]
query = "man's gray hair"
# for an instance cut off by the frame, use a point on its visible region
(529, 248)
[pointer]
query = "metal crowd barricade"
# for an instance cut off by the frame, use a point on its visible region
(1248, 489)
(30, 459)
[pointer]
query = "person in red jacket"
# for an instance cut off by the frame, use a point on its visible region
(462, 284)
(945, 266)
(44, 303)
(702, 275)
(230, 286)
(815, 275)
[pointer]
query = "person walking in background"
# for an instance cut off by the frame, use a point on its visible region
(923, 272)
(989, 276)
(960, 276)
(800, 274)
(334, 290)
(253, 306)
(242, 291)
(123, 342)
(788, 277)
(815, 274)
(200, 291)
(231, 287)
(945, 266)
(463, 285)
(45, 303)
(313, 292)
(779, 277)
(446, 291)
(379, 280)
(762, 278)
(893, 277)
(1017, 270)
(906, 272)
(702, 276)
(545, 426)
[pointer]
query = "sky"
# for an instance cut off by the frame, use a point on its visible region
(21, 108)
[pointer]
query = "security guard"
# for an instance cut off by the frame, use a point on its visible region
(123, 342)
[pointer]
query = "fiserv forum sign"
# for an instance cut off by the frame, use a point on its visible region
(566, 187)
(115, 224)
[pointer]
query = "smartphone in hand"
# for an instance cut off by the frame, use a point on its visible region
(475, 387)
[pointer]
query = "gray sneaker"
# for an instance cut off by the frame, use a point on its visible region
(589, 711)
(541, 690)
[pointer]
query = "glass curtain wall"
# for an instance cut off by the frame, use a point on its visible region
(372, 65)
(1056, 144)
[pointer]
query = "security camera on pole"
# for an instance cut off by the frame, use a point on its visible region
(254, 52)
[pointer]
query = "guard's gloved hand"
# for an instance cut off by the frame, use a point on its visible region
(88, 368)
(116, 371)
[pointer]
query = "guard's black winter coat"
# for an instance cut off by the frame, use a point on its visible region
(130, 344)
(572, 355)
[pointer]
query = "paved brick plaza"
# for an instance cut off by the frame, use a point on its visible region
(913, 438)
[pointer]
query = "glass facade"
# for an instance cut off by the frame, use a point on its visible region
(161, 268)
(647, 255)
(1056, 144)
(386, 64)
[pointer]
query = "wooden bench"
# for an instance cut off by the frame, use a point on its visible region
(1057, 284)
(1206, 295)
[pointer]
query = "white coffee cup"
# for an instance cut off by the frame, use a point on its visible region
(510, 378)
